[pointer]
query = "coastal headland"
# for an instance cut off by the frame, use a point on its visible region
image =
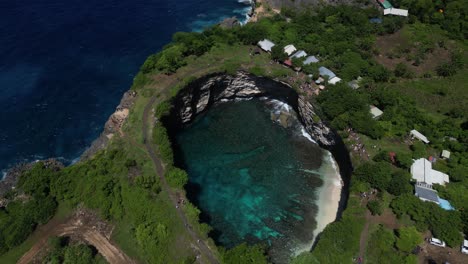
(137, 192)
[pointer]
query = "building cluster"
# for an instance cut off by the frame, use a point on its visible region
(425, 176)
(293, 53)
(331, 77)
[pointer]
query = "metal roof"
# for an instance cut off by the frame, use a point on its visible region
(334, 80)
(310, 59)
(396, 12)
(326, 72)
(376, 112)
(426, 194)
(289, 49)
(266, 44)
(419, 136)
(445, 154)
(421, 171)
(299, 54)
(385, 3)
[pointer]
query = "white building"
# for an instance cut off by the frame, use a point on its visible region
(416, 134)
(445, 154)
(375, 112)
(395, 12)
(266, 45)
(422, 171)
(289, 49)
(334, 80)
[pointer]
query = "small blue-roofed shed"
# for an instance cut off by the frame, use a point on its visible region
(310, 59)
(326, 72)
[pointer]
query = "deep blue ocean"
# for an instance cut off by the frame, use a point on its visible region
(64, 65)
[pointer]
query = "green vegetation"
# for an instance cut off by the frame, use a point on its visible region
(445, 225)
(449, 15)
(339, 242)
(62, 251)
(34, 207)
(381, 248)
(120, 182)
(245, 254)
(408, 239)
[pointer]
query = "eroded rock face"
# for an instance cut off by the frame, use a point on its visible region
(316, 128)
(113, 125)
(230, 22)
(205, 92)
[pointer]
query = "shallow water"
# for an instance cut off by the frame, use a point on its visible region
(254, 180)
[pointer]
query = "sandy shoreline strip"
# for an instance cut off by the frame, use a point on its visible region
(330, 195)
(328, 201)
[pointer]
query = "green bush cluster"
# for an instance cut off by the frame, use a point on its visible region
(381, 248)
(445, 225)
(161, 139)
(20, 217)
(450, 15)
(345, 108)
(61, 251)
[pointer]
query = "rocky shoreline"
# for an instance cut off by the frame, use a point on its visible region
(11, 178)
(206, 91)
(112, 126)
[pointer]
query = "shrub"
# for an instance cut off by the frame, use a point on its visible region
(176, 178)
(162, 109)
(375, 207)
(408, 239)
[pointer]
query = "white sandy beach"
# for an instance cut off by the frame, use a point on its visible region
(329, 195)
(328, 199)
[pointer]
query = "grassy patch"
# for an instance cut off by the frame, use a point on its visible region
(438, 96)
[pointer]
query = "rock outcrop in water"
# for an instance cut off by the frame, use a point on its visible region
(230, 22)
(204, 92)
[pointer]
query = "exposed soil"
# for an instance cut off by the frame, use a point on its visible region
(83, 225)
(388, 45)
(432, 254)
(387, 219)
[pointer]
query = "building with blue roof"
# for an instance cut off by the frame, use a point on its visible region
(310, 59)
(326, 72)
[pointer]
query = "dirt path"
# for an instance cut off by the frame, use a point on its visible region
(148, 123)
(364, 236)
(81, 227)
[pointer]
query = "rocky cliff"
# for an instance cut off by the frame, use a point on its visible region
(204, 92)
(113, 125)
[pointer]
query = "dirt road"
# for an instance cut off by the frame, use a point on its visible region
(81, 227)
(160, 170)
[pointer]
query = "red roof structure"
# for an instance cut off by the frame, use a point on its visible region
(288, 62)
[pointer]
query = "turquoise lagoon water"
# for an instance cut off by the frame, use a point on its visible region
(254, 180)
